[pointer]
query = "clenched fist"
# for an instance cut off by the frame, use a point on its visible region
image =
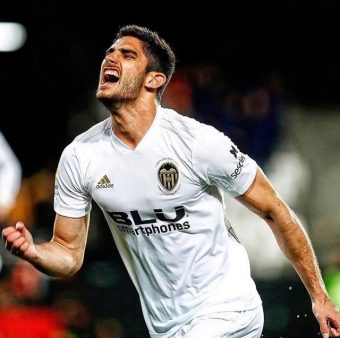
(19, 241)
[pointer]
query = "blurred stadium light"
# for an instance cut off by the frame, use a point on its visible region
(12, 36)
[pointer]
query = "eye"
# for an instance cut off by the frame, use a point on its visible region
(129, 54)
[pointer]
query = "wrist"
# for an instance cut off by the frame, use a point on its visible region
(320, 297)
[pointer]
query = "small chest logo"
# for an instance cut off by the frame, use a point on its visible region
(168, 175)
(104, 183)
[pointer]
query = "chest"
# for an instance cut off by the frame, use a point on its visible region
(143, 182)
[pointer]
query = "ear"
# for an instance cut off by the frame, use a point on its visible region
(154, 80)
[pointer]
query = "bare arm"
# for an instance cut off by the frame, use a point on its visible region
(62, 256)
(262, 199)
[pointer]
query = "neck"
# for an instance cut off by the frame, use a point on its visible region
(131, 121)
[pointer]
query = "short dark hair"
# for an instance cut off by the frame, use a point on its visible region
(161, 57)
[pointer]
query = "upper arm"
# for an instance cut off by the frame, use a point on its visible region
(71, 233)
(219, 162)
(262, 198)
(71, 197)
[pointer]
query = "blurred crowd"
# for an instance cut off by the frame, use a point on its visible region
(100, 300)
(251, 113)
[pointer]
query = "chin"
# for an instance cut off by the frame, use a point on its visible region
(105, 100)
(99, 93)
(101, 96)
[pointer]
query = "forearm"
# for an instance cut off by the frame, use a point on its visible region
(55, 260)
(297, 247)
(262, 199)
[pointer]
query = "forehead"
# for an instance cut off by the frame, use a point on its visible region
(129, 42)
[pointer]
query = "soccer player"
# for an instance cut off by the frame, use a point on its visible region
(158, 176)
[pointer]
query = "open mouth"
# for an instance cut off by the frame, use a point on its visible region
(111, 76)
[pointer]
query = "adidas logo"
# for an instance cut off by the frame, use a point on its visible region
(104, 183)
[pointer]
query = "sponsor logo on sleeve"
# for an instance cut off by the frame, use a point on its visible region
(241, 159)
(239, 167)
(234, 151)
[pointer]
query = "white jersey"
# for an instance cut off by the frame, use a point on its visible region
(164, 207)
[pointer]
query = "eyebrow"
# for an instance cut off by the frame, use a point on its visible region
(128, 50)
(122, 50)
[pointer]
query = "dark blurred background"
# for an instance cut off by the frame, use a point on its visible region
(55, 72)
(264, 72)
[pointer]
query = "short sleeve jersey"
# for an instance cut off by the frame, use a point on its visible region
(165, 209)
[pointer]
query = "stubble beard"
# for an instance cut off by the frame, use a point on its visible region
(129, 91)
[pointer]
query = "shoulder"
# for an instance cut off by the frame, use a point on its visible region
(95, 133)
(188, 126)
(188, 129)
(85, 142)
(181, 125)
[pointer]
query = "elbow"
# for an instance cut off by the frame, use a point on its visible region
(69, 260)
(71, 265)
(277, 213)
(268, 216)
(78, 265)
(74, 266)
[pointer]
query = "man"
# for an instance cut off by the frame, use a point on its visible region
(157, 177)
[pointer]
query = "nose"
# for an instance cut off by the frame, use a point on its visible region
(111, 57)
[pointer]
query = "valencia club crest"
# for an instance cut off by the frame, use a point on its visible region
(168, 175)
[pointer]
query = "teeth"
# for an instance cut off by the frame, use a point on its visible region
(112, 72)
